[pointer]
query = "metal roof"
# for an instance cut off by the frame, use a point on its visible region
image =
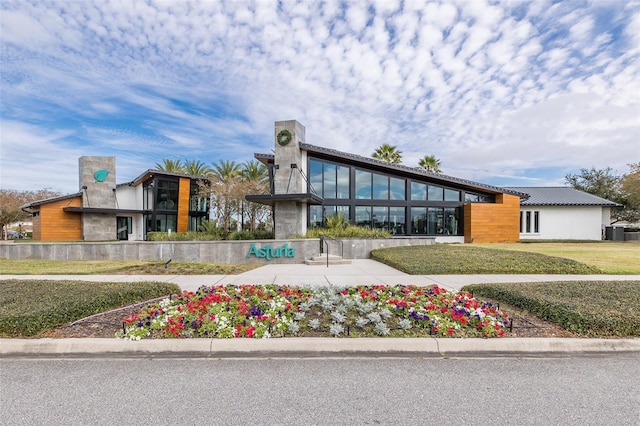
(395, 168)
(560, 196)
(49, 200)
(148, 174)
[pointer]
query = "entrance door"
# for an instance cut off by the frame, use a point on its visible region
(123, 226)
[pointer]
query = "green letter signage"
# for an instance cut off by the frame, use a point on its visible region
(268, 252)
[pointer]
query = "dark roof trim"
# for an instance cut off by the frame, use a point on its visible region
(397, 168)
(412, 171)
(103, 210)
(269, 199)
(50, 200)
(148, 174)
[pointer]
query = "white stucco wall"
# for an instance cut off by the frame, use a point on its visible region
(130, 198)
(567, 223)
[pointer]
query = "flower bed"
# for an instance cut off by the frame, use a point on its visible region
(278, 311)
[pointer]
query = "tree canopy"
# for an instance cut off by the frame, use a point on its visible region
(388, 153)
(10, 202)
(430, 164)
(623, 189)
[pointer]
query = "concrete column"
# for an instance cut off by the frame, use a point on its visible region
(288, 179)
(98, 184)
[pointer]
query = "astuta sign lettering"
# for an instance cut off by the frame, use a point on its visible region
(268, 252)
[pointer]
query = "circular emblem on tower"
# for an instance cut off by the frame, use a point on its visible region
(101, 175)
(284, 137)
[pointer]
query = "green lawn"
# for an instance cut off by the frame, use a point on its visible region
(92, 267)
(608, 256)
(471, 259)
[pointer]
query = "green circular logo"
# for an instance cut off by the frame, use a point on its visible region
(101, 175)
(284, 137)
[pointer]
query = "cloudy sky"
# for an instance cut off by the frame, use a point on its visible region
(515, 93)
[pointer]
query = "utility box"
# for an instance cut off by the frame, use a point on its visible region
(614, 233)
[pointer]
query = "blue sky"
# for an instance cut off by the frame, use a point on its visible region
(513, 93)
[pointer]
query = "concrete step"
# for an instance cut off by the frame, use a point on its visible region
(322, 260)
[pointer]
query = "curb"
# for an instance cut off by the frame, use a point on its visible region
(307, 347)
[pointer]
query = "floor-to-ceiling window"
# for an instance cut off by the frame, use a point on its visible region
(401, 205)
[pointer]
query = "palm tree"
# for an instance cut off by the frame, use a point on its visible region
(225, 184)
(430, 163)
(388, 154)
(196, 168)
(171, 166)
(255, 180)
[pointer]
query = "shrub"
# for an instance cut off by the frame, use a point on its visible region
(350, 231)
(30, 307)
(587, 308)
(252, 235)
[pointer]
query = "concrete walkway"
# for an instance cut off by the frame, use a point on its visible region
(362, 271)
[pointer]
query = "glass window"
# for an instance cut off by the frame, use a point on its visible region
(363, 216)
(380, 187)
(536, 222)
(315, 177)
(342, 190)
(451, 195)
(363, 185)
(435, 221)
(315, 216)
(397, 220)
(329, 181)
(528, 222)
(418, 220)
(521, 222)
(435, 193)
(166, 222)
(167, 195)
(471, 198)
(397, 189)
(381, 218)
(451, 221)
(418, 191)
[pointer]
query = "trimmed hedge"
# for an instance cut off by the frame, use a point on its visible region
(28, 307)
(587, 308)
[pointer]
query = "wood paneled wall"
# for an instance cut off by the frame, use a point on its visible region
(493, 223)
(184, 193)
(55, 224)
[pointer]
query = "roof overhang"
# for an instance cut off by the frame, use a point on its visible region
(270, 200)
(103, 210)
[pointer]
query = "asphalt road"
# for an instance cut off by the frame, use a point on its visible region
(313, 391)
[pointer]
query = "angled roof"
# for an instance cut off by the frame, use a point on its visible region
(394, 168)
(146, 175)
(561, 196)
(49, 200)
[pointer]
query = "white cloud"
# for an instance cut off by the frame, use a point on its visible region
(502, 83)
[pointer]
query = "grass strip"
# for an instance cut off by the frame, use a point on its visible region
(28, 308)
(126, 267)
(587, 308)
(467, 259)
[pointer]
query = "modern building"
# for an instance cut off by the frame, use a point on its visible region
(310, 183)
(102, 210)
(563, 213)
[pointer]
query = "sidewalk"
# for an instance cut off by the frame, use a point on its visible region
(360, 271)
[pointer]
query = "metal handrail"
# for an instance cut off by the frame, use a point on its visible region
(323, 241)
